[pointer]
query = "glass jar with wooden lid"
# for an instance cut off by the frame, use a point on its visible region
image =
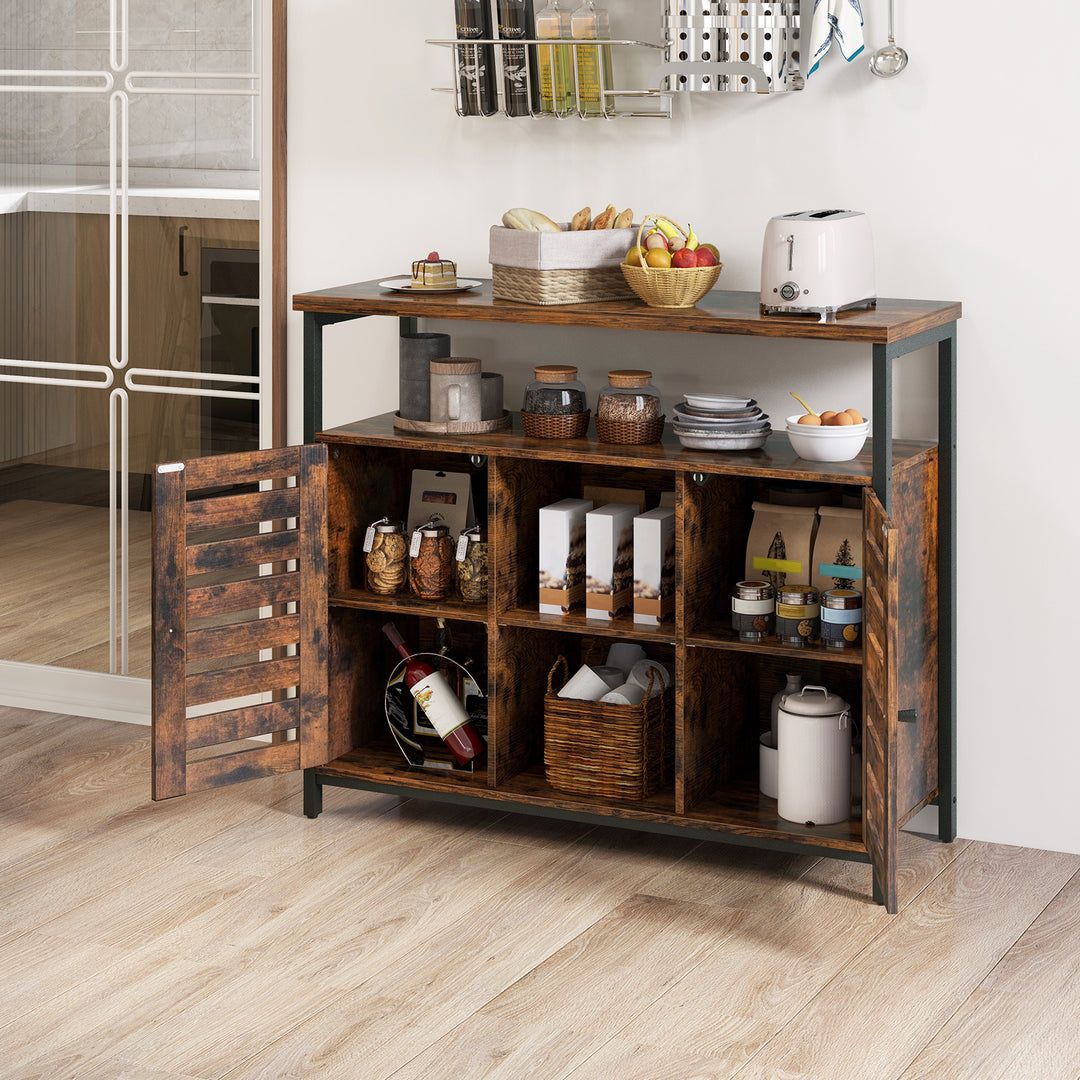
(555, 405)
(628, 409)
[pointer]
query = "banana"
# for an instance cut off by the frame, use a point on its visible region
(669, 230)
(691, 240)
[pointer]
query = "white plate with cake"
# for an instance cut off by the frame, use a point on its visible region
(431, 275)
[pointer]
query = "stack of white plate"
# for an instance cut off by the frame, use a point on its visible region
(720, 422)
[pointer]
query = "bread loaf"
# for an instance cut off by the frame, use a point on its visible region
(606, 219)
(521, 217)
(581, 219)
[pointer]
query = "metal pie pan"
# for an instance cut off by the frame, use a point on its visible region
(752, 440)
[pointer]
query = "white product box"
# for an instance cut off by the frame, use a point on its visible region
(609, 559)
(562, 555)
(654, 566)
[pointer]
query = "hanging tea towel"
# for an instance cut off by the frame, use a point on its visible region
(839, 19)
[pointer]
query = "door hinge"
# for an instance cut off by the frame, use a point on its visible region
(907, 716)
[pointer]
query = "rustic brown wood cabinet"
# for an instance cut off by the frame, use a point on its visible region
(333, 725)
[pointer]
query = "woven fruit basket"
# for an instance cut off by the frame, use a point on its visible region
(669, 287)
(599, 749)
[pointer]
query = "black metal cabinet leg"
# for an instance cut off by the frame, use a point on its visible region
(883, 426)
(312, 794)
(947, 587)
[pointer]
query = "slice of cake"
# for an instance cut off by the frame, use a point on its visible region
(434, 273)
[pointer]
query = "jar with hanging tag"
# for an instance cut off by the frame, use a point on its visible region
(431, 561)
(386, 557)
(472, 566)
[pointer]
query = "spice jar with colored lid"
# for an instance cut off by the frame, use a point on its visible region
(431, 562)
(798, 614)
(841, 618)
(628, 409)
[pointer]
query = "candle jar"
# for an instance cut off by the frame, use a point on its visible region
(431, 562)
(798, 614)
(386, 553)
(753, 610)
(472, 566)
(841, 618)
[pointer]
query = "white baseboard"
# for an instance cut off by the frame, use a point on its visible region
(75, 693)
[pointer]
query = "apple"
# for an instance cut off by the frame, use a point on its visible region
(684, 258)
(705, 257)
(713, 248)
(656, 240)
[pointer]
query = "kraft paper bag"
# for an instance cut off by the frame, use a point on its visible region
(781, 544)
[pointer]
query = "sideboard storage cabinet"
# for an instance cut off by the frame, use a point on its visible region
(305, 633)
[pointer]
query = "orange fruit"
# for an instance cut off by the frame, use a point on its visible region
(659, 258)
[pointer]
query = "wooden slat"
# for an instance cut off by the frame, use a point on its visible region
(243, 509)
(264, 591)
(169, 624)
(227, 470)
(314, 631)
(239, 681)
(243, 637)
(880, 821)
(236, 724)
(246, 551)
(243, 765)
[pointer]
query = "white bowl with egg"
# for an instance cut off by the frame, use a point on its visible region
(824, 442)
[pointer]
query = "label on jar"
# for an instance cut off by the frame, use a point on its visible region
(753, 607)
(440, 704)
(414, 545)
(841, 615)
(797, 611)
(462, 547)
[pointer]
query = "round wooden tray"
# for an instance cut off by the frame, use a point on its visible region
(453, 427)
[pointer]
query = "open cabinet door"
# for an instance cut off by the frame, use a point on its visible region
(239, 618)
(880, 821)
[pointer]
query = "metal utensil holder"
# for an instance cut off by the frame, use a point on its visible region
(731, 46)
(656, 102)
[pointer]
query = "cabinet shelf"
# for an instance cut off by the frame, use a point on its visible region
(722, 639)
(406, 604)
(622, 626)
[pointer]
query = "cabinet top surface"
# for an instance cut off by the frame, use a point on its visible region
(718, 313)
(776, 459)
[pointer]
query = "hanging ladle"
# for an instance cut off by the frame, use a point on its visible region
(890, 59)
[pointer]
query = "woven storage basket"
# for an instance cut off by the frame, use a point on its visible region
(555, 426)
(559, 286)
(630, 432)
(673, 287)
(600, 749)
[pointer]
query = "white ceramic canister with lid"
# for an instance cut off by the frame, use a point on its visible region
(814, 773)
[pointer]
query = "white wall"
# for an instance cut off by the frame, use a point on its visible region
(961, 163)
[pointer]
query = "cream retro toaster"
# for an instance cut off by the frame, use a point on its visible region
(817, 261)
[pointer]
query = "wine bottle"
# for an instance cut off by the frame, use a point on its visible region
(442, 706)
(521, 94)
(476, 91)
(594, 76)
(556, 62)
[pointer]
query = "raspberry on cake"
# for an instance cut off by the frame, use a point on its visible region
(434, 273)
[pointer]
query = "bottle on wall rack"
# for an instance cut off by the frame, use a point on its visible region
(475, 85)
(556, 62)
(441, 705)
(591, 23)
(521, 94)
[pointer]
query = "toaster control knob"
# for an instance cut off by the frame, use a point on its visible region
(789, 290)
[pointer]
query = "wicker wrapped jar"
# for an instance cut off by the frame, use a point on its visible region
(628, 409)
(554, 404)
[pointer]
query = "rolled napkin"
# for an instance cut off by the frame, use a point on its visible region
(639, 674)
(584, 685)
(839, 20)
(627, 694)
(624, 655)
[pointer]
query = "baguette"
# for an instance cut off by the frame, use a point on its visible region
(580, 220)
(522, 218)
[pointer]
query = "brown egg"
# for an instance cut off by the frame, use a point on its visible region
(810, 420)
(827, 416)
(842, 419)
(856, 418)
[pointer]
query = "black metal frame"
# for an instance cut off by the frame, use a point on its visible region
(945, 337)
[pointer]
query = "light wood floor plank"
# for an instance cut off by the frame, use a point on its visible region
(1016, 1025)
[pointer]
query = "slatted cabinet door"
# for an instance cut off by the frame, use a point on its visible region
(239, 618)
(880, 698)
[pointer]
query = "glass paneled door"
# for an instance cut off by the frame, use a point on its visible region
(130, 311)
